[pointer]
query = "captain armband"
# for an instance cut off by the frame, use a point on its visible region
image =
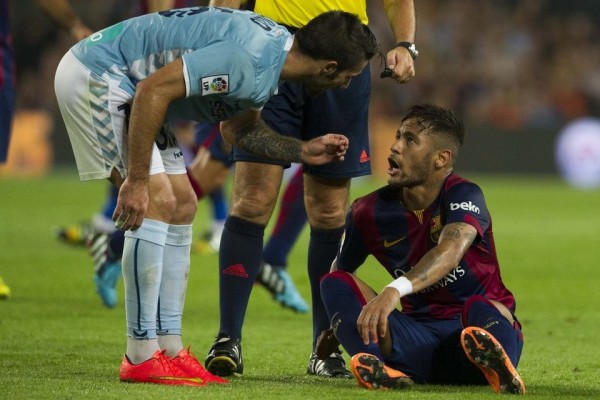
(402, 285)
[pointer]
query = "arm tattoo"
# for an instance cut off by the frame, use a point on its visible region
(260, 139)
(453, 233)
(429, 265)
(459, 232)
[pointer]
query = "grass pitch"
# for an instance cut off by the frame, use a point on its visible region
(59, 342)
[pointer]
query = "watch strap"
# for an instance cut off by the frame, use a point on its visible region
(410, 47)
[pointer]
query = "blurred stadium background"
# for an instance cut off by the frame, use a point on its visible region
(520, 72)
(517, 71)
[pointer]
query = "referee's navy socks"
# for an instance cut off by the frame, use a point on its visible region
(239, 262)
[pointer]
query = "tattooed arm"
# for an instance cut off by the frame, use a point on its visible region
(250, 133)
(452, 245)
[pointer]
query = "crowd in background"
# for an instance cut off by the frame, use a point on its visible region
(510, 65)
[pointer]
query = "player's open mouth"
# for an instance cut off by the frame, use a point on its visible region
(394, 167)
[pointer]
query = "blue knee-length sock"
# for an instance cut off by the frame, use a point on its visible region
(290, 222)
(482, 313)
(322, 249)
(111, 202)
(115, 246)
(219, 204)
(343, 303)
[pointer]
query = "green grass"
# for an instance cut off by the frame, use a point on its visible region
(59, 342)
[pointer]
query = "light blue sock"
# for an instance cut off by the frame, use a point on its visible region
(142, 265)
(174, 279)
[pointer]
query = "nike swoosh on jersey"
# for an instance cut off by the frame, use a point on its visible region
(387, 244)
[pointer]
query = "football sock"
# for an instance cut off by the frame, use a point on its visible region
(478, 311)
(170, 343)
(344, 302)
(102, 221)
(217, 227)
(142, 265)
(322, 249)
(115, 246)
(139, 350)
(111, 202)
(239, 262)
(219, 203)
(290, 222)
(173, 285)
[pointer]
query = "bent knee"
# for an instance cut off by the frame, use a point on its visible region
(186, 211)
(336, 276)
(501, 308)
(341, 281)
(163, 204)
(168, 207)
(186, 205)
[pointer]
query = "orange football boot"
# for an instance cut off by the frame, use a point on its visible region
(372, 373)
(487, 353)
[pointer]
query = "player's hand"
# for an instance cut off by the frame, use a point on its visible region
(401, 64)
(372, 321)
(132, 204)
(324, 149)
(327, 343)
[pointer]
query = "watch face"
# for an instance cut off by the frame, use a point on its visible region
(413, 51)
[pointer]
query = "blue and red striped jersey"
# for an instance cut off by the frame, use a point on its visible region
(378, 224)
(7, 72)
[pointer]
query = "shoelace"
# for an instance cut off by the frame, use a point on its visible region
(166, 363)
(193, 362)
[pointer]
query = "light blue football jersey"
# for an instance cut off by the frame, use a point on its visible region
(232, 58)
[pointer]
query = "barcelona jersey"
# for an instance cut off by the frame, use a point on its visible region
(378, 224)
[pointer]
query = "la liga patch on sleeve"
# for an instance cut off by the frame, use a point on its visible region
(215, 84)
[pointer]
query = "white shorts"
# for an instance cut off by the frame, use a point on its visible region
(95, 111)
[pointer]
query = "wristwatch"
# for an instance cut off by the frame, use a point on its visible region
(412, 49)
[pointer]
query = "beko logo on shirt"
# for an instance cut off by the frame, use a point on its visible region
(464, 206)
(215, 84)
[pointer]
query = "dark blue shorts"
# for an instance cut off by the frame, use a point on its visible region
(209, 136)
(292, 112)
(430, 351)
